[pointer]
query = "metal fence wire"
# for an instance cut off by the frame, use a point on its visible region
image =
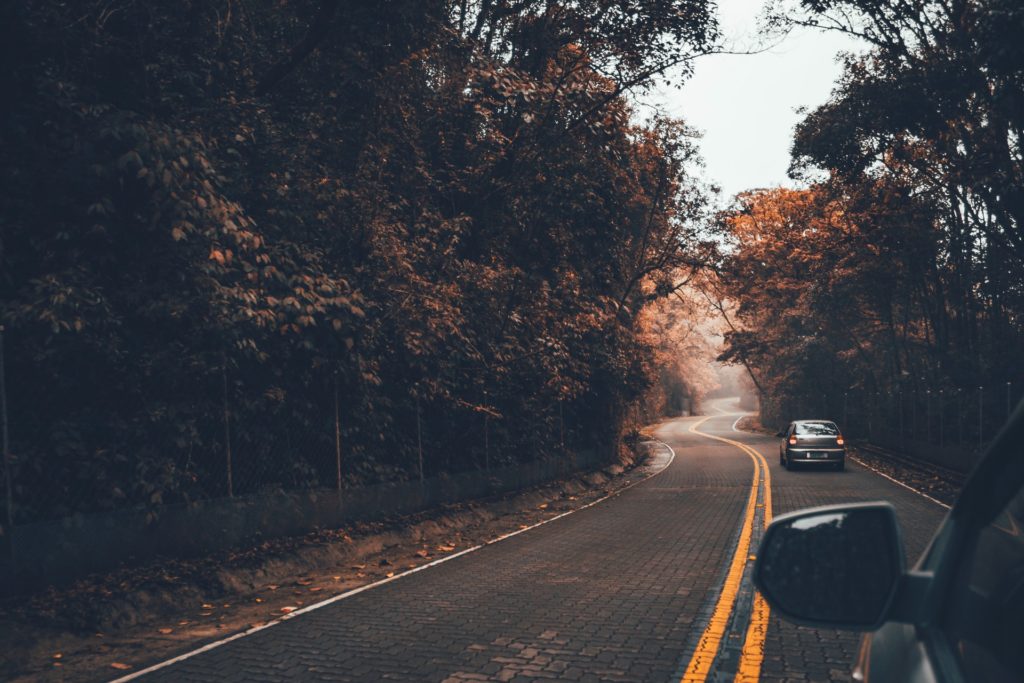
(225, 427)
(235, 438)
(943, 424)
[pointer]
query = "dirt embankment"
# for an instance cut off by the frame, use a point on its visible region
(112, 624)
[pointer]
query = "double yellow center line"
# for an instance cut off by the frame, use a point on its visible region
(752, 654)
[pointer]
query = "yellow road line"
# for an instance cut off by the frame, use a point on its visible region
(752, 654)
(707, 647)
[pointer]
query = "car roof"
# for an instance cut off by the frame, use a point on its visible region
(801, 422)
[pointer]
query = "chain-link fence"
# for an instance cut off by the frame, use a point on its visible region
(224, 444)
(949, 425)
(230, 428)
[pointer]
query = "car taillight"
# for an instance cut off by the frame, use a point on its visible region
(839, 441)
(792, 440)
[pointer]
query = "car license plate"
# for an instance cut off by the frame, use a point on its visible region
(819, 455)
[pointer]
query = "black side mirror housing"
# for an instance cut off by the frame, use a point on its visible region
(780, 434)
(837, 566)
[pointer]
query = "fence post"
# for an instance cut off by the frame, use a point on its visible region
(8, 483)
(942, 427)
(928, 414)
(981, 416)
(561, 426)
(337, 438)
(913, 416)
(1008, 406)
(959, 416)
(227, 424)
(899, 398)
(419, 437)
(871, 416)
(487, 434)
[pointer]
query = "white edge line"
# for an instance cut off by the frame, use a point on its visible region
(375, 584)
(738, 421)
(896, 481)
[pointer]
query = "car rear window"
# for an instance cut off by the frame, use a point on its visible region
(816, 429)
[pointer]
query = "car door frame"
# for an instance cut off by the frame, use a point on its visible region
(995, 480)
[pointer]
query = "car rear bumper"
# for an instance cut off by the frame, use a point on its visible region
(813, 456)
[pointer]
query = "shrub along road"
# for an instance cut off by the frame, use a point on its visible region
(649, 585)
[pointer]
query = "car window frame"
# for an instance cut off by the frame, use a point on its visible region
(827, 423)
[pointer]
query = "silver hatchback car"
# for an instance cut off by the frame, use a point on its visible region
(812, 442)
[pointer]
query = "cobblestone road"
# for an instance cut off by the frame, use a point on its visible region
(621, 591)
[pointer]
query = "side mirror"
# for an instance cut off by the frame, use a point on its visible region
(780, 434)
(833, 567)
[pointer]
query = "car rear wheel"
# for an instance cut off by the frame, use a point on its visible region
(787, 463)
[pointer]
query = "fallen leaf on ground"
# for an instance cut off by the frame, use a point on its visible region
(272, 587)
(542, 506)
(422, 553)
(359, 566)
(57, 655)
(446, 548)
(120, 665)
(207, 606)
(314, 589)
(336, 578)
(259, 599)
(286, 610)
(390, 574)
(165, 631)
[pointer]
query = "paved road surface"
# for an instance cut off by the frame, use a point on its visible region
(628, 590)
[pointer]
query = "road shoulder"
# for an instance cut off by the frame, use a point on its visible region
(117, 623)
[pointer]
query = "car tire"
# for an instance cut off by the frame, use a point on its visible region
(841, 466)
(787, 464)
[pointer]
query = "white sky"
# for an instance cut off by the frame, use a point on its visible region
(745, 104)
